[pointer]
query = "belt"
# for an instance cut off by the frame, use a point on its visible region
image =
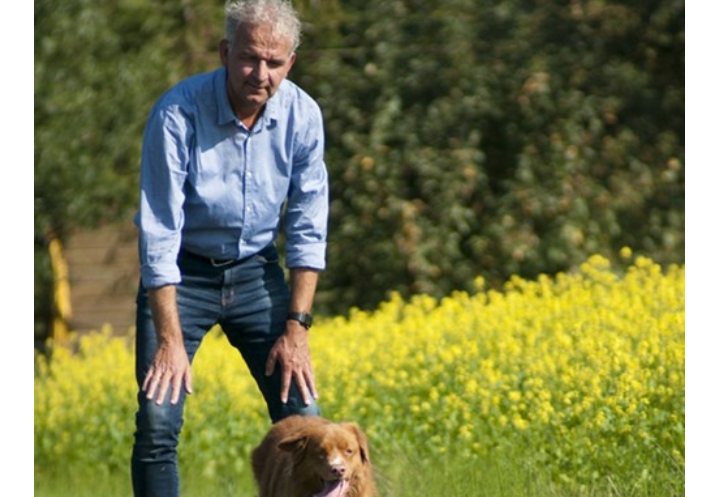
(210, 260)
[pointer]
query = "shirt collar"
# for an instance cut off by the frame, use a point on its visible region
(273, 106)
(225, 113)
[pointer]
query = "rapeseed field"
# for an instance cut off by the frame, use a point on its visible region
(580, 375)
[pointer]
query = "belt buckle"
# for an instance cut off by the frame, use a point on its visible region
(216, 263)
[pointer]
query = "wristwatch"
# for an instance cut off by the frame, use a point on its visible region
(304, 318)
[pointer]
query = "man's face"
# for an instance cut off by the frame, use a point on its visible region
(257, 61)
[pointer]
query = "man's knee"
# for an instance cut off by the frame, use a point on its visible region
(295, 407)
(158, 425)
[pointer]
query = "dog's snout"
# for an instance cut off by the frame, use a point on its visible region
(338, 469)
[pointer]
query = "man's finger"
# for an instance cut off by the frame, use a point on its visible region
(152, 382)
(270, 364)
(148, 379)
(164, 384)
(310, 380)
(286, 379)
(304, 387)
(188, 382)
(176, 385)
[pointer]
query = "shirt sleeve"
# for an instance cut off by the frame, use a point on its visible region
(306, 216)
(163, 170)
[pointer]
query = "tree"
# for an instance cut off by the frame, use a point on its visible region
(465, 138)
(474, 138)
(99, 66)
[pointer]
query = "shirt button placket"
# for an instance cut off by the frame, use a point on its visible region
(247, 190)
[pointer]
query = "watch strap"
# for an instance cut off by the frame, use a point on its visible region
(304, 318)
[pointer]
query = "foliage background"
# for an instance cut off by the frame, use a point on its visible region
(464, 137)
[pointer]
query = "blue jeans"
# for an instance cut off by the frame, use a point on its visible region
(249, 299)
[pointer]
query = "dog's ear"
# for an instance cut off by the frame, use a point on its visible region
(293, 443)
(362, 441)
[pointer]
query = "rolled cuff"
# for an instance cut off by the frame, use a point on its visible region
(307, 255)
(161, 274)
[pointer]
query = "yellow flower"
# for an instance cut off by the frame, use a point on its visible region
(626, 253)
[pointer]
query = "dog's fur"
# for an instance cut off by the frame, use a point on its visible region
(313, 457)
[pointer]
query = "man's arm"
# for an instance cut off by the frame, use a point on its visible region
(292, 349)
(306, 220)
(170, 367)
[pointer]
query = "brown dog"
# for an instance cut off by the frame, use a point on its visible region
(313, 457)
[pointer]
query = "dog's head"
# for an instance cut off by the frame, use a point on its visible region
(332, 454)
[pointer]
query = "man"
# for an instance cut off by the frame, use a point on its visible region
(227, 157)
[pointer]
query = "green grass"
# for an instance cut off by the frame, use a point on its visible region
(397, 475)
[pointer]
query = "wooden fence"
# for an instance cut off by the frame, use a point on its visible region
(102, 272)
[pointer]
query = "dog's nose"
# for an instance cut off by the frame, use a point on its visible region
(338, 469)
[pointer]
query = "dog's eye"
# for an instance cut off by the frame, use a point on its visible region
(349, 451)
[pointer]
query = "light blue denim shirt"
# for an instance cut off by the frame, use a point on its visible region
(219, 190)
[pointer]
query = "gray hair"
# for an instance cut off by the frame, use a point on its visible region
(279, 13)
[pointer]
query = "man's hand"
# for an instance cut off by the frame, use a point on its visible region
(292, 351)
(170, 369)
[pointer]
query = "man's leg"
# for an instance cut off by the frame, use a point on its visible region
(154, 456)
(254, 316)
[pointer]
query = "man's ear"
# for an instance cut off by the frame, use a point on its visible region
(224, 51)
(291, 61)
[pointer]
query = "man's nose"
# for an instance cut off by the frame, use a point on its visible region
(261, 70)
